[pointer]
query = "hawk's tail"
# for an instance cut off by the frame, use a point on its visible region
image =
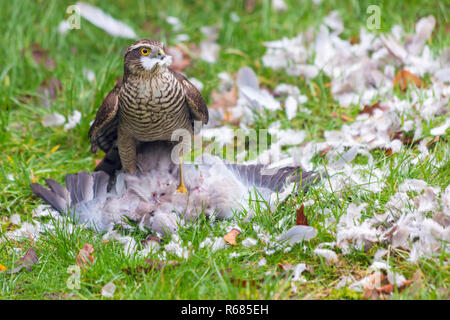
(110, 163)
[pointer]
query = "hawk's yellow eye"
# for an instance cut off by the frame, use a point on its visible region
(145, 51)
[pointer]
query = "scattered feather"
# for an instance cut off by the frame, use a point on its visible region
(249, 242)
(108, 290)
(104, 21)
(53, 120)
(73, 120)
(329, 255)
(298, 234)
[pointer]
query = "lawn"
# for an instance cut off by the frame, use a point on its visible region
(43, 71)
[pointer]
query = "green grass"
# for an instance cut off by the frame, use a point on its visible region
(29, 153)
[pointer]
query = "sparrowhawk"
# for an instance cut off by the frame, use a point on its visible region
(149, 103)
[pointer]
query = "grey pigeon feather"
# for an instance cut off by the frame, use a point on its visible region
(50, 197)
(148, 196)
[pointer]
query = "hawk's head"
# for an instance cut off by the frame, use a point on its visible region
(146, 56)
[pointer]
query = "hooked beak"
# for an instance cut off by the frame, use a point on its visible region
(161, 54)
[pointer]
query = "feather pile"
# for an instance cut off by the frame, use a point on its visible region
(148, 197)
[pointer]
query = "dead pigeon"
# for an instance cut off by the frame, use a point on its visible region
(149, 197)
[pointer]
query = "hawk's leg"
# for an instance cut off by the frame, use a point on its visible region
(181, 188)
(127, 151)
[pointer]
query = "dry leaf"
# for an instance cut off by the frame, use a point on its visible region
(354, 39)
(325, 151)
(230, 237)
(378, 285)
(27, 261)
(370, 288)
(389, 288)
(84, 256)
(301, 218)
(370, 109)
(404, 76)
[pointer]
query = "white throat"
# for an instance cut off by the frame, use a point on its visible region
(150, 63)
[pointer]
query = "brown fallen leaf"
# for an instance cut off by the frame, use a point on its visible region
(85, 257)
(403, 77)
(230, 237)
(325, 151)
(374, 281)
(354, 39)
(370, 109)
(389, 288)
(27, 261)
(301, 219)
(378, 287)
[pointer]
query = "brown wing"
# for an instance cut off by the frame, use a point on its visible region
(195, 101)
(103, 132)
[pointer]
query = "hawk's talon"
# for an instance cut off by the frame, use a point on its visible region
(182, 189)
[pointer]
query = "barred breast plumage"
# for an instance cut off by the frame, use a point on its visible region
(151, 109)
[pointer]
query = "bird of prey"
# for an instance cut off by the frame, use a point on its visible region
(148, 104)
